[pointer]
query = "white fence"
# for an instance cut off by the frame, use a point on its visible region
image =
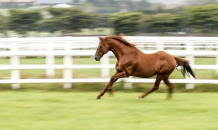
(69, 47)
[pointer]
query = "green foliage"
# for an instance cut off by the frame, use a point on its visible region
(145, 11)
(71, 20)
(103, 21)
(59, 11)
(201, 2)
(203, 17)
(143, 27)
(49, 25)
(164, 22)
(3, 24)
(127, 23)
(175, 10)
(68, 20)
(23, 21)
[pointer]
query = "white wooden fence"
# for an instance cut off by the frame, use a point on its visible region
(68, 47)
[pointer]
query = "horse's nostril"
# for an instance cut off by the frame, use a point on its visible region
(97, 58)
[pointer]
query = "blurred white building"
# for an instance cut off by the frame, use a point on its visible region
(62, 6)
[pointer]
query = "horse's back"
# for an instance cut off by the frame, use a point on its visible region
(162, 55)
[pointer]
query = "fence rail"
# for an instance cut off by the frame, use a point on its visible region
(188, 47)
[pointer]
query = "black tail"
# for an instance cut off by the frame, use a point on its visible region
(186, 68)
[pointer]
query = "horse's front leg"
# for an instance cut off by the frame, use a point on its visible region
(113, 79)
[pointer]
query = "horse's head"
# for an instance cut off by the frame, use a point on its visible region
(102, 49)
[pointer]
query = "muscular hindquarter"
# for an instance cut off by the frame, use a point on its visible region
(152, 64)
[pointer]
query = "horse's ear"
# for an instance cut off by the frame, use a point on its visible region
(100, 38)
(121, 34)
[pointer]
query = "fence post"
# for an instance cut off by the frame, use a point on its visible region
(190, 58)
(105, 72)
(50, 60)
(160, 46)
(15, 74)
(68, 73)
(128, 84)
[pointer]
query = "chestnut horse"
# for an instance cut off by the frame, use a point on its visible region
(133, 62)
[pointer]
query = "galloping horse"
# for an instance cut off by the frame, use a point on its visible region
(133, 62)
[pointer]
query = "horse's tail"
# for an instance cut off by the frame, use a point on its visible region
(185, 67)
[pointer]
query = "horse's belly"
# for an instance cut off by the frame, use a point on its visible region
(143, 74)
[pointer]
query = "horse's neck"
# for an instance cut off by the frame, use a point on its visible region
(119, 49)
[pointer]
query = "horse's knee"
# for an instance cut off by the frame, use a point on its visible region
(113, 78)
(155, 88)
(170, 88)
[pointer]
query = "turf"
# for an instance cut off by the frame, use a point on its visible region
(37, 110)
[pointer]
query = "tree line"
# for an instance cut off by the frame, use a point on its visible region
(202, 19)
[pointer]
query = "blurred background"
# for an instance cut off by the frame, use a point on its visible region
(89, 19)
(47, 18)
(49, 78)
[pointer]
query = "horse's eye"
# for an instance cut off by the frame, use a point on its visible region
(100, 46)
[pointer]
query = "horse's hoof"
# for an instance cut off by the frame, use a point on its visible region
(111, 94)
(98, 98)
(139, 97)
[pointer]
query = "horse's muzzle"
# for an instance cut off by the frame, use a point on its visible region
(97, 58)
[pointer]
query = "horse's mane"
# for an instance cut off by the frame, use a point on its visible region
(120, 39)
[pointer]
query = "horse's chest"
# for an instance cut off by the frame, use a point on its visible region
(120, 66)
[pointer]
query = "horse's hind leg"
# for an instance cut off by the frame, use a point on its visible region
(155, 87)
(170, 87)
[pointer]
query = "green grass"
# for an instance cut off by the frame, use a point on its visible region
(80, 111)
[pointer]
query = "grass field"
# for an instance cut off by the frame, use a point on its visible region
(28, 110)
